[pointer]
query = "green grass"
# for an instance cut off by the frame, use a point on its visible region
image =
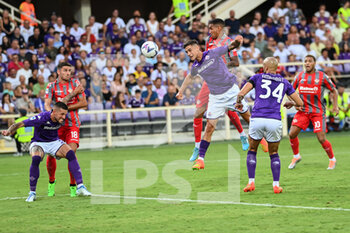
(310, 184)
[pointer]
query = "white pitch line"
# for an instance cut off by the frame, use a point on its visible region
(202, 202)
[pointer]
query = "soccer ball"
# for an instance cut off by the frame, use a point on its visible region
(149, 49)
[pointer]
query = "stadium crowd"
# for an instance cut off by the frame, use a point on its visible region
(109, 64)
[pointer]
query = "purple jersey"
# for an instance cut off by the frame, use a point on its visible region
(214, 71)
(269, 92)
(45, 130)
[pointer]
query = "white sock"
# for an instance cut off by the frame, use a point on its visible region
(251, 180)
(201, 158)
(297, 156)
(196, 144)
(333, 159)
(243, 134)
(276, 183)
(79, 185)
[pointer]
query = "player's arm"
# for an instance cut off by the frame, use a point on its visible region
(78, 90)
(82, 103)
(245, 90)
(236, 43)
(335, 109)
(234, 61)
(48, 104)
(184, 85)
(48, 97)
(289, 104)
(13, 128)
(297, 102)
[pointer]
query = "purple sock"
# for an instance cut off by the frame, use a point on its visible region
(74, 167)
(34, 172)
(203, 147)
(275, 166)
(251, 164)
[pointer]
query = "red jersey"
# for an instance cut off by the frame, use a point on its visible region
(210, 43)
(311, 89)
(57, 91)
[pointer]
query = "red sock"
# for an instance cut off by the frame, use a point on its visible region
(51, 168)
(327, 146)
(294, 143)
(235, 120)
(197, 128)
(72, 180)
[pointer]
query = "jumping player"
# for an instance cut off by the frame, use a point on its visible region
(221, 83)
(265, 121)
(311, 85)
(69, 132)
(46, 141)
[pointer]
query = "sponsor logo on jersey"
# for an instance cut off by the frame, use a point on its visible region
(210, 62)
(308, 90)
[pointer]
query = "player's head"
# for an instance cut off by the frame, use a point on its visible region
(64, 71)
(309, 63)
(192, 49)
(215, 27)
(59, 112)
(270, 65)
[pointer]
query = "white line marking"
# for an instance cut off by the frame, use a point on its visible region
(201, 202)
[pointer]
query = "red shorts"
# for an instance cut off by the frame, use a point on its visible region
(302, 120)
(69, 134)
(203, 96)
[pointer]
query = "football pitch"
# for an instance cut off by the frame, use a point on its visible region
(313, 200)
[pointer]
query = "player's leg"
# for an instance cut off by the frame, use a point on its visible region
(300, 121)
(251, 163)
(66, 152)
(234, 118)
(201, 107)
(205, 142)
(275, 166)
(72, 139)
(37, 154)
(72, 184)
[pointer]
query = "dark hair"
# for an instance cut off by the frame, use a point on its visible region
(3, 98)
(218, 22)
(313, 58)
(137, 91)
(62, 64)
(324, 50)
(191, 42)
(61, 105)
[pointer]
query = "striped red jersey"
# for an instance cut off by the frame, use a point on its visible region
(311, 89)
(57, 91)
(211, 43)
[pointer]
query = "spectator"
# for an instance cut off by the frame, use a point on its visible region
(188, 98)
(59, 26)
(246, 32)
(150, 97)
(40, 85)
(317, 46)
(313, 25)
(322, 7)
(283, 24)
(106, 93)
(95, 27)
(294, 14)
(118, 21)
(159, 89)
(170, 97)
(304, 38)
(132, 20)
(132, 45)
(25, 71)
(14, 49)
(281, 52)
(330, 49)
(303, 26)
(57, 40)
(309, 51)
(159, 73)
(291, 70)
(131, 82)
(183, 24)
(169, 26)
(95, 85)
(28, 12)
(7, 107)
(7, 24)
(67, 36)
(331, 23)
(321, 31)
(134, 59)
(293, 35)
(137, 101)
(137, 26)
(337, 32)
(36, 38)
(168, 59)
(152, 24)
(180, 8)
(26, 30)
(119, 102)
(193, 33)
(181, 61)
(140, 85)
(76, 31)
(256, 28)
(117, 85)
(270, 28)
(109, 70)
(139, 73)
(245, 59)
(127, 68)
(232, 23)
(276, 11)
(161, 32)
(40, 102)
(177, 46)
(324, 64)
(24, 102)
(343, 15)
(5, 43)
(269, 48)
(280, 36)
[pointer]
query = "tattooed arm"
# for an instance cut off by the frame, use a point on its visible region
(13, 128)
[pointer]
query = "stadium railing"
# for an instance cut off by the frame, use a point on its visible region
(14, 10)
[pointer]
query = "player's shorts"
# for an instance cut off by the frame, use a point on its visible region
(203, 96)
(69, 134)
(50, 148)
(218, 104)
(302, 120)
(270, 129)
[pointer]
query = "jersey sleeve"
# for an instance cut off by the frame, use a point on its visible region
(75, 84)
(33, 121)
(296, 81)
(253, 79)
(219, 51)
(327, 82)
(49, 91)
(289, 88)
(194, 71)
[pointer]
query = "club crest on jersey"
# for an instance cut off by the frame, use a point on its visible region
(316, 81)
(207, 57)
(70, 90)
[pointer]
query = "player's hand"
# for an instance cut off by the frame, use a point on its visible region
(5, 133)
(179, 95)
(236, 43)
(299, 108)
(78, 90)
(288, 105)
(239, 106)
(335, 110)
